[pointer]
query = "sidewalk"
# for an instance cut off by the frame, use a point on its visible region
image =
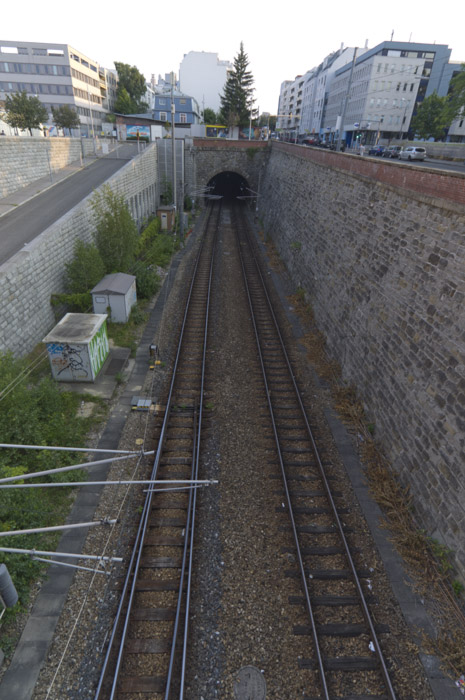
(23, 195)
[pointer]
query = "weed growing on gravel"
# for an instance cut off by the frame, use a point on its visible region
(429, 561)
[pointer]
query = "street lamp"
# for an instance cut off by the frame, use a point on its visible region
(91, 120)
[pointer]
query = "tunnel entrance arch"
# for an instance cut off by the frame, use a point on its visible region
(229, 185)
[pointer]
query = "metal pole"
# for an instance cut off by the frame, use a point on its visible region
(346, 99)
(72, 566)
(66, 555)
(121, 482)
(55, 528)
(173, 142)
(49, 164)
(91, 121)
(84, 465)
(72, 449)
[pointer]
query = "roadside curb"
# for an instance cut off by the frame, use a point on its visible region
(14, 205)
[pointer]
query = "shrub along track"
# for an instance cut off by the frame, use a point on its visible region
(245, 610)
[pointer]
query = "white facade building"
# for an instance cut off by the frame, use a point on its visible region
(203, 76)
(382, 97)
(317, 88)
(58, 75)
(375, 98)
(289, 107)
(302, 101)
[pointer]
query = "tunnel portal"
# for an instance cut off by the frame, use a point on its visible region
(229, 185)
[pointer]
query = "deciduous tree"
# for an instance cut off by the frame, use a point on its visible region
(65, 117)
(23, 112)
(456, 96)
(237, 99)
(130, 80)
(432, 118)
(116, 232)
(209, 116)
(85, 269)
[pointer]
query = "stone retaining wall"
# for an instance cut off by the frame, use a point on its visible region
(379, 249)
(209, 157)
(29, 278)
(25, 160)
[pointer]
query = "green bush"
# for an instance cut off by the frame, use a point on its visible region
(161, 250)
(147, 280)
(36, 412)
(116, 234)
(147, 236)
(75, 303)
(85, 270)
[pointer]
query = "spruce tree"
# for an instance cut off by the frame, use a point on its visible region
(237, 99)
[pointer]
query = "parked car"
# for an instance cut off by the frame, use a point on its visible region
(392, 152)
(413, 153)
(376, 150)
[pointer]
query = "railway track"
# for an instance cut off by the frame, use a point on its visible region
(148, 646)
(345, 648)
(332, 643)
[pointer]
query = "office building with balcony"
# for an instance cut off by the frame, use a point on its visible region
(302, 101)
(58, 75)
(316, 87)
(375, 97)
(289, 107)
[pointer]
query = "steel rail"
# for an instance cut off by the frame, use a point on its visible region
(195, 476)
(364, 606)
(286, 487)
(187, 559)
(136, 554)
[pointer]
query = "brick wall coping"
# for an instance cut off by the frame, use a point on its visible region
(425, 181)
(225, 144)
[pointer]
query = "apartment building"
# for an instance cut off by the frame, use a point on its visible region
(375, 97)
(203, 75)
(302, 101)
(290, 98)
(58, 75)
(314, 104)
(186, 109)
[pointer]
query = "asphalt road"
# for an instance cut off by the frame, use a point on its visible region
(451, 166)
(26, 222)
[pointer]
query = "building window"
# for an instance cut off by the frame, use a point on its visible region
(182, 101)
(183, 118)
(163, 116)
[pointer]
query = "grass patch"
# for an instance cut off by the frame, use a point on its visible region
(37, 410)
(127, 335)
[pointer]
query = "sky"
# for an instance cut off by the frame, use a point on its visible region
(280, 43)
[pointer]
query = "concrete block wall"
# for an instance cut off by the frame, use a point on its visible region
(26, 160)
(382, 262)
(29, 278)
